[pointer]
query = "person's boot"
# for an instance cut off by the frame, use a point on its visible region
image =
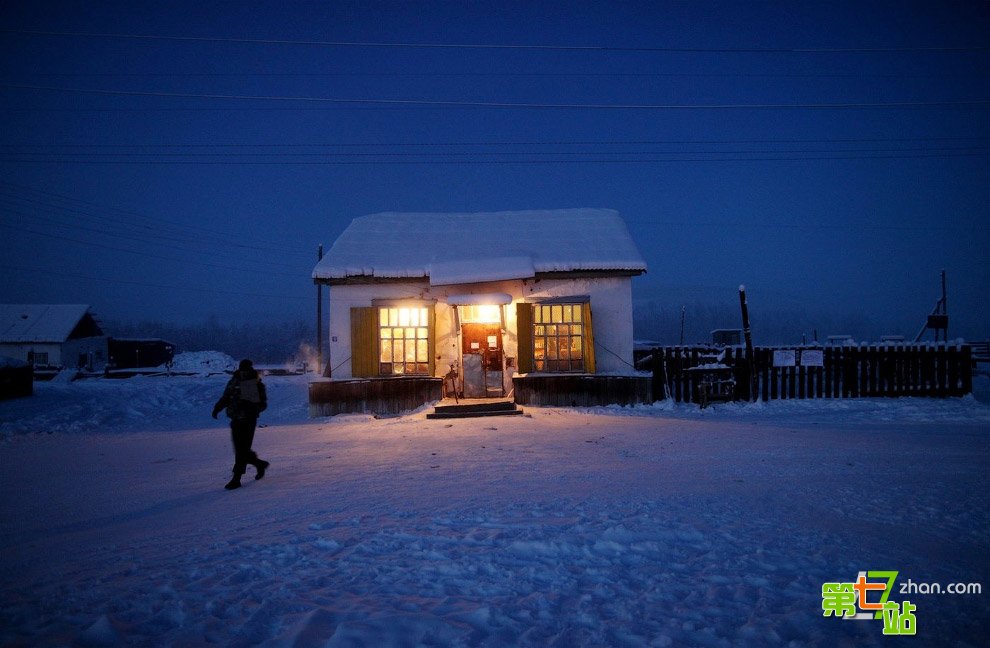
(262, 466)
(235, 482)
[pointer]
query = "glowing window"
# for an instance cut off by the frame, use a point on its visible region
(558, 337)
(403, 341)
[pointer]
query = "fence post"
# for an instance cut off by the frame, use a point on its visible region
(952, 358)
(966, 370)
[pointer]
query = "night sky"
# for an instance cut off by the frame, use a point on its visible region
(181, 160)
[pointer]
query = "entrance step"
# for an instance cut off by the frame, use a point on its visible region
(474, 409)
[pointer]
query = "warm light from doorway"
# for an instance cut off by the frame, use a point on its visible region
(482, 314)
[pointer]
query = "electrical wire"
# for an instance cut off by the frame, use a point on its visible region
(142, 253)
(508, 104)
(846, 140)
(492, 46)
(134, 220)
(61, 274)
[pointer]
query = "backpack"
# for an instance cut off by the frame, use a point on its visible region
(249, 391)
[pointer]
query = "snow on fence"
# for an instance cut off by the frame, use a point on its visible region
(935, 370)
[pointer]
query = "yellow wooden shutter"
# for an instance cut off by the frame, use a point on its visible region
(524, 336)
(431, 333)
(589, 338)
(364, 342)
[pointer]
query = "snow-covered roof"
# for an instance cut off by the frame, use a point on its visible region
(487, 246)
(26, 323)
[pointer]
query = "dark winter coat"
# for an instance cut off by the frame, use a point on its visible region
(244, 397)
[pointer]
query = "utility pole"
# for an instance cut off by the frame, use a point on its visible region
(939, 318)
(319, 315)
(750, 369)
(682, 325)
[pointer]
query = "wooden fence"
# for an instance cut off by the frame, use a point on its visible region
(935, 370)
(381, 396)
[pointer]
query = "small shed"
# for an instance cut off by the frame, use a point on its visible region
(505, 304)
(129, 353)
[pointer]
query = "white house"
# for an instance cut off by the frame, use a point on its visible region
(495, 297)
(51, 335)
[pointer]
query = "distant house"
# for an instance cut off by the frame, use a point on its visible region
(51, 335)
(501, 299)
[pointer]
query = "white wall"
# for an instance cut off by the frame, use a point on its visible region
(20, 351)
(611, 310)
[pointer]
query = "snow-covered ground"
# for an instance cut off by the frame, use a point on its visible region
(657, 526)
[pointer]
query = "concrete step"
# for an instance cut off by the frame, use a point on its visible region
(476, 408)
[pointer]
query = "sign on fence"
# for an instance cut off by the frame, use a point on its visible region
(784, 357)
(812, 358)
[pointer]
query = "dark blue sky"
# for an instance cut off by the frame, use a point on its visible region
(195, 173)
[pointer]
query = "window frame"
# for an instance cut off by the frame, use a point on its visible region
(559, 334)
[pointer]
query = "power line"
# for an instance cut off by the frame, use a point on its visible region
(144, 254)
(493, 46)
(186, 233)
(62, 274)
(124, 156)
(608, 75)
(505, 104)
(448, 161)
(508, 143)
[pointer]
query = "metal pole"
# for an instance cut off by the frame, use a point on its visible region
(319, 315)
(682, 325)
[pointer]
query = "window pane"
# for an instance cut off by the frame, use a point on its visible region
(539, 365)
(552, 348)
(551, 331)
(386, 368)
(576, 349)
(422, 353)
(383, 316)
(410, 351)
(386, 352)
(577, 312)
(410, 333)
(567, 313)
(423, 320)
(556, 314)
(538, 315)
(386, 333)
(422, 334)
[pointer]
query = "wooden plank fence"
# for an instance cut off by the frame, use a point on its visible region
(933, 370)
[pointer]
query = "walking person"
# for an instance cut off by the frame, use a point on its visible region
(244, 398)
